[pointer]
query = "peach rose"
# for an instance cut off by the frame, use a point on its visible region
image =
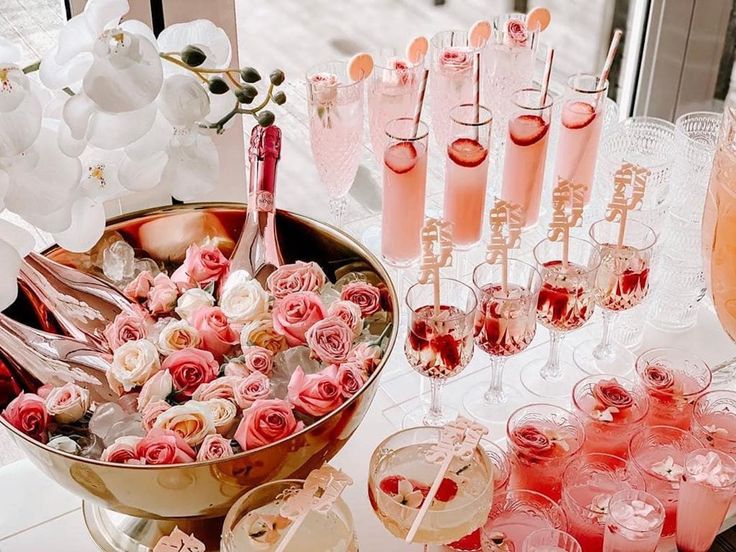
(160, 386)
(214, 447)
(151, 412)
(137, 290)
(223, 413)
(122, 451)
(133, 364)
(27, 413)
(300, 276)
(162, 296)
(253, 387)
(257, 359)
(315, 394)
(217, 335)
(190, 368)
(351, 377)
(163, 446)
(126, 327)
(220, 388)
(295, 314)
(192, 421)
(365, 295)
(177, 335)
(350, 314)
(68, 403)
(202, 266)
(265, 422)
(261, 332)
(330, 340)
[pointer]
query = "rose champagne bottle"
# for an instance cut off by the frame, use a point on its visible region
(257, 250)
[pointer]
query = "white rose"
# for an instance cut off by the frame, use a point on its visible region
(67, 403)
(191, 301)
(160, 386)
(243, 299)
(192, 420)
(223, 414)
(177, 335)
(133, 364)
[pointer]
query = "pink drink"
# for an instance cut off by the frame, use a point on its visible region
(550, 540)
(612, 410)
(566, 300)
(714, 420)
(634, 523)
(404, 188)
(622, 280)
(526, 152)
(706, 491)
(505, 324)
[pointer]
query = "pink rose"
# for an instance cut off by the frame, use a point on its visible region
(214, 447)
(220, 388)
(252, 388)
(531, 440)
(162, 296)
(351, 377)
(368, 356)
(456, 60)
(266, 422)
(27, 412)
(122, 451)
(515, 34)
(126, 327)
(215, 330)
(295, 314)
(151, 412)
(324, 88)
(137, 290)
(202, 266)
(330, 340)
(365, 295)
(315, 394)
(163, 446)
(257, 359)
(610, 393)
(299, 276)
(236, 367)
(190, 368)
(350, 313)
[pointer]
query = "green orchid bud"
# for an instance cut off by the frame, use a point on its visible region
(248, 74)
(193, 56)
(265, 118)
(279, 98)
(217, 85)
(277, 77)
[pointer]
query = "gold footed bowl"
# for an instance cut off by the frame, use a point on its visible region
(129, 508)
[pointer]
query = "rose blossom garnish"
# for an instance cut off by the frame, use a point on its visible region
(163, 446)
(658, 377)
(133, 364)
(315, 394)
(202, 265)
(243, 299)
(27, 413)
(351, 378)
(214, 447)
(612, 398)
(177, 335)
(190, 368)
(299, 276)
(126, 327)
(218, 336)
(253, 387)
(219, 388)
(324, 88)
(138, 288)
(192, 421)
(257, 359)
(191, 301)
(261, 332)
(223, 413)
(456, 59)
(365, 295)
(123, 451)
(67, 403)
(294, 314)
(350, 313)
(330, 340)
(514, 33)
(162, 296)
(266, 422)
(158, 388)
(531, 439)
(668, 469)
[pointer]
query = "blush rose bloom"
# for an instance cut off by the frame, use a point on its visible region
(217, 335)
(67, 403)
(253, 387)
(299, 276)
(160, 386)
(163, 446)
(220, 388)
(223, 413)
(137, 290)
(27, 413)
(658, 377)
(315, 394)
(265, 422)
(324, 88)
(350, 314)
(243, 299)
(202, 265)
(330, 340)
(126, 327)
(122, 451)
(214, 447)
(191, 301)
(162, 296)
(133, 364)
(190, 368)
(610, 393)
(261, 332)
(365, 295)
(351, 377)
(257, 359)
(192, 421)
(178, 335)
(456, 60)
(236, 367)
(515, 34)
(295, 314)
(529, 439)
(368, 356)
(151, 413)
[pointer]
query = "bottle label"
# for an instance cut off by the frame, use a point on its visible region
(264, 201)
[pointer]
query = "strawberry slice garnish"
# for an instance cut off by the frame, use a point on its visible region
(467, 152)
(578, 115)
(470, 542)
(447, 490)
(401, 157)
(390, 484)
(526, 130)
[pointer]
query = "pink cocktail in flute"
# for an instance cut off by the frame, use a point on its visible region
(634, 523)
(466, 173)
(542, 440)
(659, 454)
(707, 488)
(673, 379)
(714, 420)
(526, 151)
(612, 410)
(581, 120)
(404, 190)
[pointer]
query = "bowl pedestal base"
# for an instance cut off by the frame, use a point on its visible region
(115, 532)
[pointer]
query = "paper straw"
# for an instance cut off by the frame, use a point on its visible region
(292, 531)
(546, 78)
(420, 102)
(476, 93)
(505, 273)
(429, 498)
(622, 227)
(565, 247)
(610, 57)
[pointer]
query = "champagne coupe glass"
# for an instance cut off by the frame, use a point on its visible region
(253, 523)
(439, 346)
(335, 106)
(505, 325)
(399, 476)
(714, 420)
(566, 302)
(621, 283)
(546, 540)
(635, 520)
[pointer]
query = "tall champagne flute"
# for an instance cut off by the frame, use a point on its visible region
(621, 283)
(505, 325)
(439, 345)
(566, 302)
(335, 105)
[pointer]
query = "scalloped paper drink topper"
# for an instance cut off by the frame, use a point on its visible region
(506, 220)
(417, 49)
(629, 187)
(360, 66)
(179, 541)
(568, 198)
(436, 254)
(479, 33)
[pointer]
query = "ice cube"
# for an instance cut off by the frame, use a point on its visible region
(146, 264)
(118, 261)
(129, 426)
(104, 417)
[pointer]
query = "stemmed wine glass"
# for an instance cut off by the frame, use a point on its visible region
(439, 345)
(621, 283)
(566, 303)
(505, 325)
(335, 106)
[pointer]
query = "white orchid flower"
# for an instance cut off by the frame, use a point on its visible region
(15, 243)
